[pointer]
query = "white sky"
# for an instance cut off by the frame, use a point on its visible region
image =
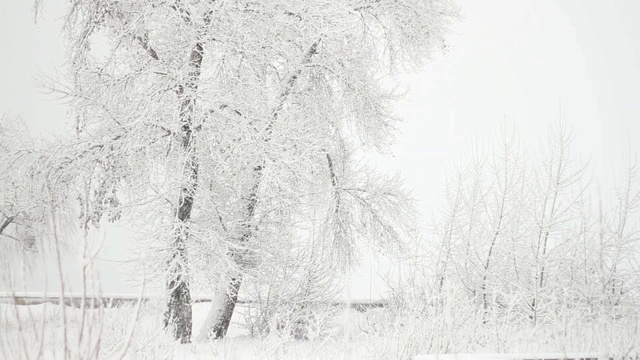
(527, 61)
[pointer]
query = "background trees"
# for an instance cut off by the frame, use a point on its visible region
(528, 238)
(230, 127)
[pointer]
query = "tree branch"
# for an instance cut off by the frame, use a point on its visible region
(6, 223)
(144, 42)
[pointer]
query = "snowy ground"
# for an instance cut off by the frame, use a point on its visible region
(27, 331)
(37, 331)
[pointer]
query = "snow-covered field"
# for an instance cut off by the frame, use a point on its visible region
(38, 331)
(34, 331)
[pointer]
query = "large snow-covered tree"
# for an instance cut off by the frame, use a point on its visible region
(231, 127)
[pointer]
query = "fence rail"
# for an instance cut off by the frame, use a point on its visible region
(119, 300)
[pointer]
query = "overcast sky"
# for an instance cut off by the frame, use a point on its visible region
(527, 61)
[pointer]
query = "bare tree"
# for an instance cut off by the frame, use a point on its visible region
(555, 197)
(616, 248)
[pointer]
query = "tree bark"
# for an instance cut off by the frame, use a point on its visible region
(218, 319)
(179, 314)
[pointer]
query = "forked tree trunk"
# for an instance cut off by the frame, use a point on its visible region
(226, 297)
(178, 316)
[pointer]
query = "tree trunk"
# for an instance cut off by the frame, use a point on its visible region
(230, 298)
(179, 315)
(226, 297)
(218, 319)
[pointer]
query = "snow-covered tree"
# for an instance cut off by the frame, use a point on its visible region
(229, 127)
(22, 219)
(520, 235)
(32, 188)
(24, 177)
